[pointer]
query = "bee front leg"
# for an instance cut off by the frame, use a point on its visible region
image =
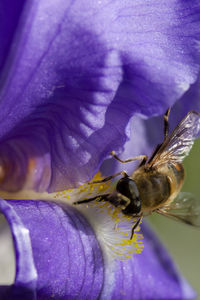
(123, 173)
(119, 200)
(101, 198)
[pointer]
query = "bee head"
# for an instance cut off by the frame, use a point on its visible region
(127, 187)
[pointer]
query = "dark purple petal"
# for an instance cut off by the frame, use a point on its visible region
(10, 13)
(57, 254)
(78, 74)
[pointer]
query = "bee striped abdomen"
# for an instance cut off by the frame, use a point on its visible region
(178, 171)
(176, 176)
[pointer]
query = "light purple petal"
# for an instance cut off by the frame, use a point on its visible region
(56, 252)
(76, 75)
(150, 275)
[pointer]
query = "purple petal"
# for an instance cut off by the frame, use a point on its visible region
(57, 111)
(57, 254)
(9, 19)
(150, 275)
(146, 134)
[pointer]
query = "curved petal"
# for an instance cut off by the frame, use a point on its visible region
(10, 13)
(146, 134)
(26, 275)
(150, 275)
(57, 254)
(65, 89)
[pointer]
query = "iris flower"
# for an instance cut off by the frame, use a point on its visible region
(76, 78)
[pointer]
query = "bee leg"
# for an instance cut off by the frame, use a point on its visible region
(110, 177)
(135, 226)
(166, 123)
(166, 131)
(142, 157)
(90, 199)
(119, 200)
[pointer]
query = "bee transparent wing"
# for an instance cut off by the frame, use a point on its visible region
(185, 208)
(178, 145)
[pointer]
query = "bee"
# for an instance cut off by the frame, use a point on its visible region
(155, 185)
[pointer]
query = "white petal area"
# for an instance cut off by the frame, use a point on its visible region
(7, 255)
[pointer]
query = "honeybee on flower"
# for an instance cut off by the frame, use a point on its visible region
(155, 185)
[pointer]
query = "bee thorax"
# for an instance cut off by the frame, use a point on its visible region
(154, 189)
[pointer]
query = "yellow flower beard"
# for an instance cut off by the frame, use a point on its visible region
(111, 226)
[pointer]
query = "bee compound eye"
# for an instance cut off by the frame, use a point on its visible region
(127, 187)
